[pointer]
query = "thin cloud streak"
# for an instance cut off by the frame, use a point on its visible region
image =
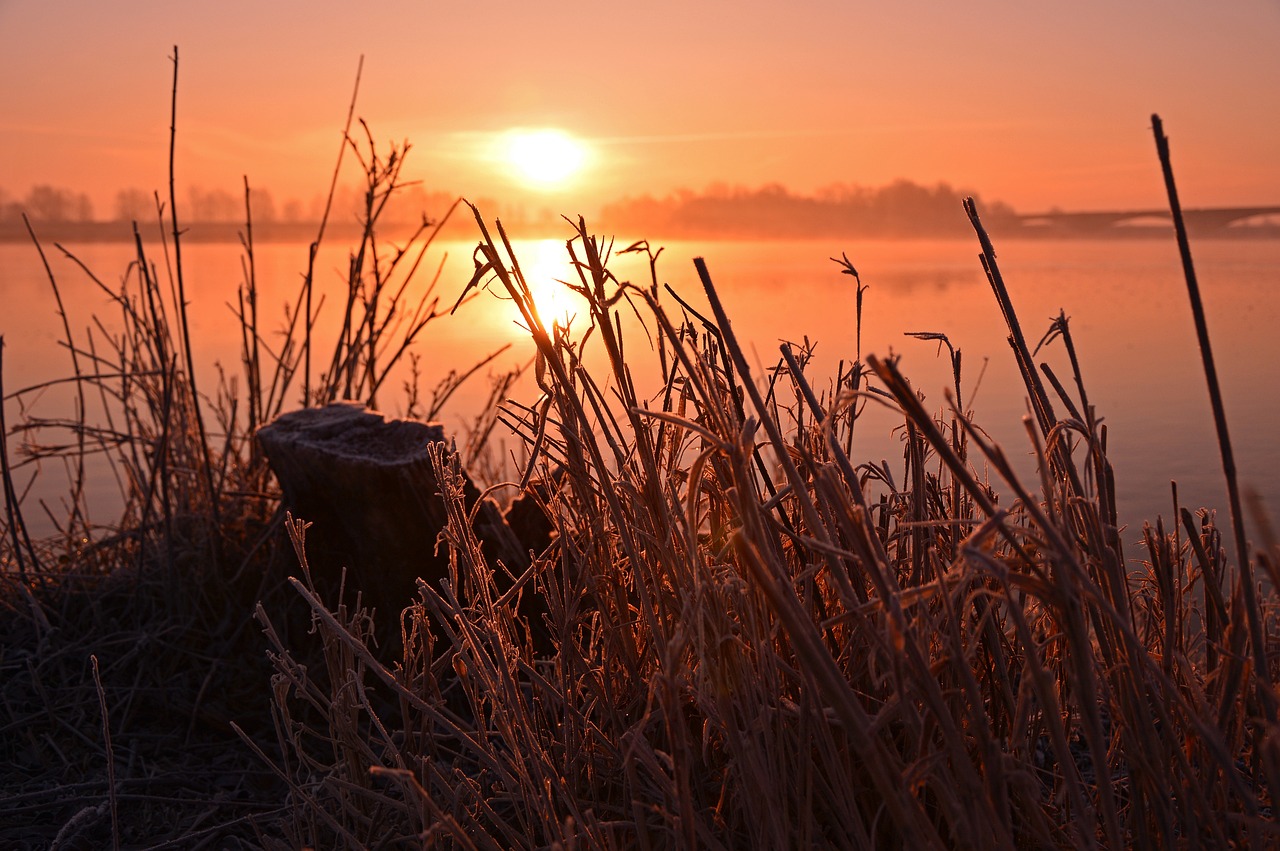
(470, 137)
(10, 128)
(739, 135)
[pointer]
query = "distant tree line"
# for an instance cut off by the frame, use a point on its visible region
(902, 208)
(47, 204)
(52, 204)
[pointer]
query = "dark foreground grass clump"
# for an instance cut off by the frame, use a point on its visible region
(135, 689)
(757, 640)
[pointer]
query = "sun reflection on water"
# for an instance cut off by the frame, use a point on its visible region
(547, 268)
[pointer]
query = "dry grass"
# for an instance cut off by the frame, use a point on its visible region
(760, 643)
(757, 640)
(127, 647)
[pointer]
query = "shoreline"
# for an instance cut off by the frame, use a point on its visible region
(305, 232)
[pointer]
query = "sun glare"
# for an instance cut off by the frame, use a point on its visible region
(544, 158)
(546, 266)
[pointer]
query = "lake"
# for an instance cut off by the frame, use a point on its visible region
(1126, 300)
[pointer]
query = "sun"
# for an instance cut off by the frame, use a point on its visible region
(544, 158)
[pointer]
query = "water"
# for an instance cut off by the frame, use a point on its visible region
(1126, 300)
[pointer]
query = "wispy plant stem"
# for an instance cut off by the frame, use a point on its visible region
(11, 507)
(309, 281)
(182, 299)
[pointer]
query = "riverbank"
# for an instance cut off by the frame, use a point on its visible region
(72, 233)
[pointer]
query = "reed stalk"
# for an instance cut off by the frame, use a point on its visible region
(1266, 694)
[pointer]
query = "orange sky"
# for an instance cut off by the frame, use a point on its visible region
(1031, 103)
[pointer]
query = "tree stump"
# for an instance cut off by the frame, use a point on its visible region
(367, 486)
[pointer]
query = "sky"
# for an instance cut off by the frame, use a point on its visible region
(1039, 105)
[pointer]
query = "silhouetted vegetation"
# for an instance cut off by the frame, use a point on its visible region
(214, 214)
(900, 209)
(758, 639)
(47, 204)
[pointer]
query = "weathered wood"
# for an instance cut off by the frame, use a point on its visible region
(367, 485)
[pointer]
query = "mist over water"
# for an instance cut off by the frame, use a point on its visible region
(1126, 301)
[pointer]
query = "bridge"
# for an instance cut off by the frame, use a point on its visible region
(1203, 220)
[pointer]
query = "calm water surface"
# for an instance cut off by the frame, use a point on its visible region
(1126, 301)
